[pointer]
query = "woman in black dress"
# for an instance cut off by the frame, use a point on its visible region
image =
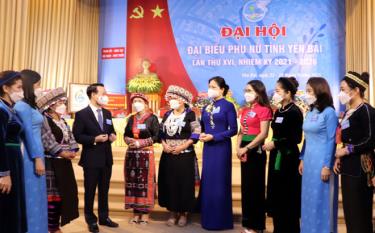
(355, 159)
(176, 181)
(284, 181)
(60, 148)
(12, 192)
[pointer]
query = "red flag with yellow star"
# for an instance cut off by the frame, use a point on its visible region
(150, 36)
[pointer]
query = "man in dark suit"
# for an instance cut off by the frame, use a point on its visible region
(93, 128)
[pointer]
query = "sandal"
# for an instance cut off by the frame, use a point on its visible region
(133, 221)
(250, 231)
(171, 221)
(143, 222)
(182, 221)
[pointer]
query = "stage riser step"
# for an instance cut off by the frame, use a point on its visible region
(116, 194)
(118, 210)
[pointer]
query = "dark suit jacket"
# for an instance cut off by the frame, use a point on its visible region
(85, 129)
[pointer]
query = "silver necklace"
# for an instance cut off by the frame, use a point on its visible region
(285, 110)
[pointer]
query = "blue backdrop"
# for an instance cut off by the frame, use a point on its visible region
(242, 40)
(318, 25)
(112, 33)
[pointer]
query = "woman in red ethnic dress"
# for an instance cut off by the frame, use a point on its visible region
(141, 132)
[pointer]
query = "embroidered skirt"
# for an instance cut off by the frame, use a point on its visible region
(139, 171)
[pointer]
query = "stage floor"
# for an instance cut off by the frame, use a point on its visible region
(156, 226)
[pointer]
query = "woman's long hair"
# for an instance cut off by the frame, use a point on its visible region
(260, 89)
(29, 78)
(322, 93)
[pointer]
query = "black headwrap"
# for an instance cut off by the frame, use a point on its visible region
(9, 77)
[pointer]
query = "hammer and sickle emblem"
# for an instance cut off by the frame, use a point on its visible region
(138, 13)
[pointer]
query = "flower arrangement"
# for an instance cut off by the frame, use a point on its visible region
(201, 101)
(146, 85)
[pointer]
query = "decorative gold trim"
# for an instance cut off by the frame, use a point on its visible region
(357, 80)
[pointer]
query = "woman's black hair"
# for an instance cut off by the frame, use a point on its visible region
(9, 83)
(93, 88)
(221, 83)
(322, 93)
(289, 84)
(260, 90)
(29, 78)
(353, 84)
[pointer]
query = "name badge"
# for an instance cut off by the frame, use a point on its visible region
(109, 122)
(141, 126)
(279, 120)
(252, 114)
(345, 124)
(315, 117)
(216, 110)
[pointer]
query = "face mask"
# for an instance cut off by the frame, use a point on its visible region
(139, 107)
(38, 92)
(277, 98)
(16, 96)
(344, 97)
(249, 97)
(309, 99)
(212, 93)
(103, 100)
(174, 104)
(61, 109)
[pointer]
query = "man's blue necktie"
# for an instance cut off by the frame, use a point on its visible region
(100, 118)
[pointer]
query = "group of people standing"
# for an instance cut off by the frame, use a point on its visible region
(37, 183)
(178, 174)
(302, 186)
(38, 190)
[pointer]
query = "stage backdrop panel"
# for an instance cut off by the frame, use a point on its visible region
(189, 42)
(112, 45)
(260, 39)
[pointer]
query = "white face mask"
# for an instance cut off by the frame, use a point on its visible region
(277, 98)
(250, 97)
(61, 109)
(103, 100)
(16, 96)
(38, 92)
(309, 99)
(174, 104)
(344, 97)
(212, 93)
(138, 107)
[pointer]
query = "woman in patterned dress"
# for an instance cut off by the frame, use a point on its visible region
(177, 169)
(60, 148)
(141, 132)
(354, 161)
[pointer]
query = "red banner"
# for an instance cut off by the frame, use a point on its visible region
(117, 105)
(150, 35)
(113, 53)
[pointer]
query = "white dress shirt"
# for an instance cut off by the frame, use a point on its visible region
(95, 111)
